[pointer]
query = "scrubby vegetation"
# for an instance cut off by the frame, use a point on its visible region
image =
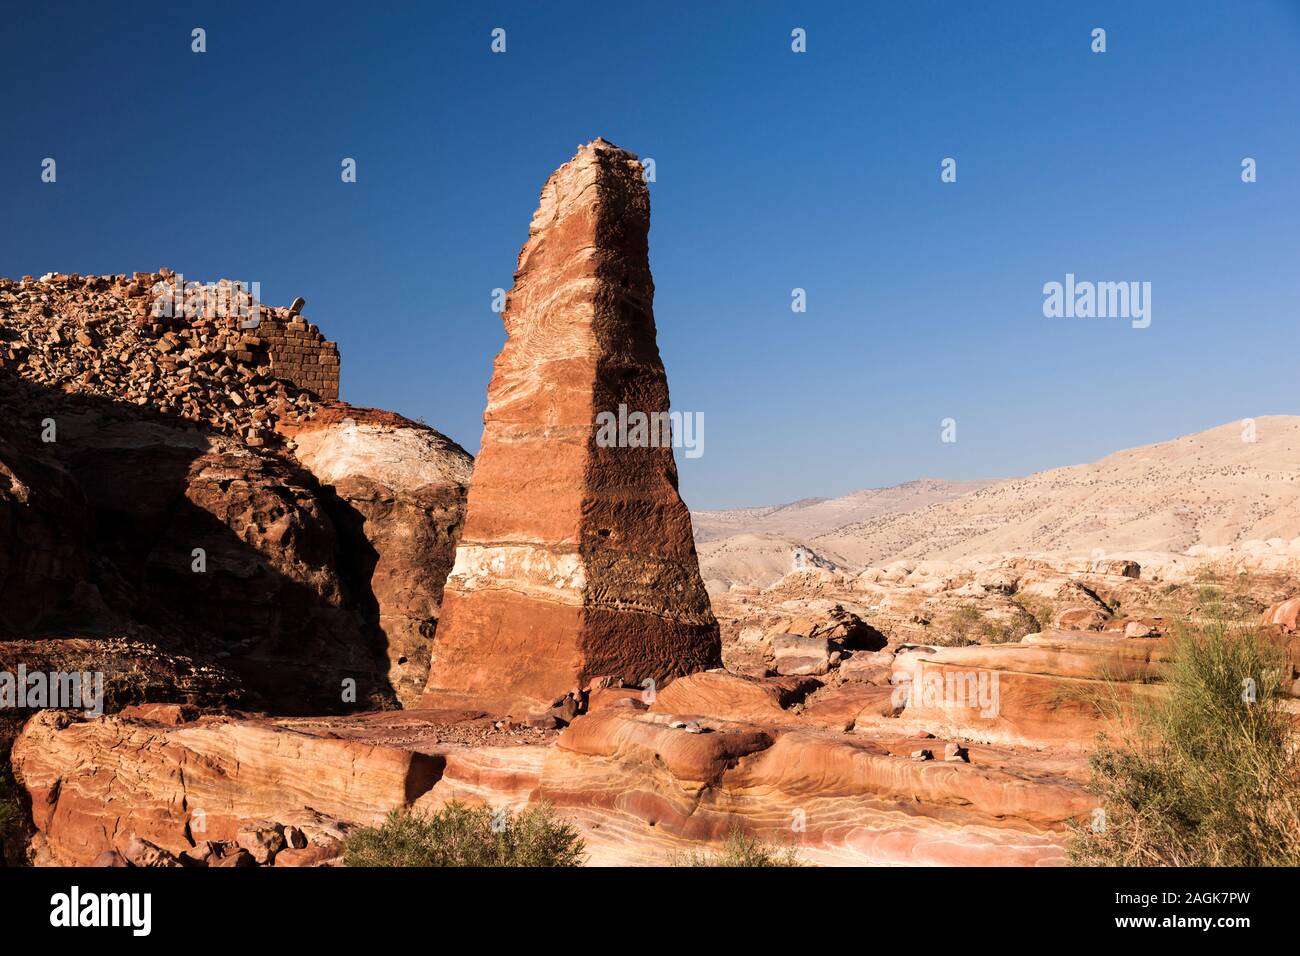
(969, 625)
(1208, 774)
(458, 835)
(741, 849)
(1041, 613)
(960, 628)
(11, 812)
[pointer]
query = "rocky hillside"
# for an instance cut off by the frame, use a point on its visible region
(810, 517)
(1213, 488)
(1220, 488)
(178, 486)
(756, 546)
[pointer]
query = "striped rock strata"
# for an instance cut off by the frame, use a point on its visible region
(576, 559)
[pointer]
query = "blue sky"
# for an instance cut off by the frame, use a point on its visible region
(774, 170)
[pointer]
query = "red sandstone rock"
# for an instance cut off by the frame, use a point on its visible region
(171, 714)
(265, 787)
(576, 560)
(1284, 616)
(301, 586)
(399, 500)
(1082, 619)
(732, 697)
(853, 799)
(1052, 689)
(138, 852)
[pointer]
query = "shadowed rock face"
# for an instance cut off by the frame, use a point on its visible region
(171, 503)
(396, 492)
(576, 560)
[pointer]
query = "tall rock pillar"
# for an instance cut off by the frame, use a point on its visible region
(576, 559)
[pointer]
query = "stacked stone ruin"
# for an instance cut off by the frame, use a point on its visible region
(209, 353)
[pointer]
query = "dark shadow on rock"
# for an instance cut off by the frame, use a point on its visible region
(98, 538)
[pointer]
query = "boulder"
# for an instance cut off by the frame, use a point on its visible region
(139, 852)
(1087, 618)
(796, 655)
(1284, 616)
(262, 840)
(868, 667)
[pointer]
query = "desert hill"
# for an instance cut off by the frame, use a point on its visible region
(1210, 488)
(758, 545)
(1223, 486)
(810, 517)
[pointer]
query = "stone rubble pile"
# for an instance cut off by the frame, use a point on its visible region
(130, 339)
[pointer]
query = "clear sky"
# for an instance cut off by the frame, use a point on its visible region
(774, 170)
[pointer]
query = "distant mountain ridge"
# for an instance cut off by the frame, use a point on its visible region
(808, 517)
(757, 545)
(1226, 485)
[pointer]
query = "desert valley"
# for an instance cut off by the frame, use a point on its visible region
(307, 615)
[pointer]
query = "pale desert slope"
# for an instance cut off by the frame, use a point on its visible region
(756, 545)
(1210, 488)
(813, 516)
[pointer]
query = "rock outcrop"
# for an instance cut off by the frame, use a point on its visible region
(1285, 616)
(577, 558)
(151, 496)
(177, 781)
(133, 339)
(397, 496)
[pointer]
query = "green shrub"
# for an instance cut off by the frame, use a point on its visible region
(1204, 775)
(1041, 614)
(458, 835)
(960, 628)
(741, 849)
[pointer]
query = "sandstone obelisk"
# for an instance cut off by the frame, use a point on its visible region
(576, 558)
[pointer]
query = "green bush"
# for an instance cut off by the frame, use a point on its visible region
(1206, 774)
(960, 628)
(1041, 614)
(741, 849)
(458, 835)
(968, 625)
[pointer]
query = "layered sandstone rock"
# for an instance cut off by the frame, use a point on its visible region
(576, 559)
(647, 786)
(397, 496)
(1285, 616)
(161, 775)
(640, 786)
(95, 784)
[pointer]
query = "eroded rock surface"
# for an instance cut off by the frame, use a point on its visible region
(150, 495)
(397, 496)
